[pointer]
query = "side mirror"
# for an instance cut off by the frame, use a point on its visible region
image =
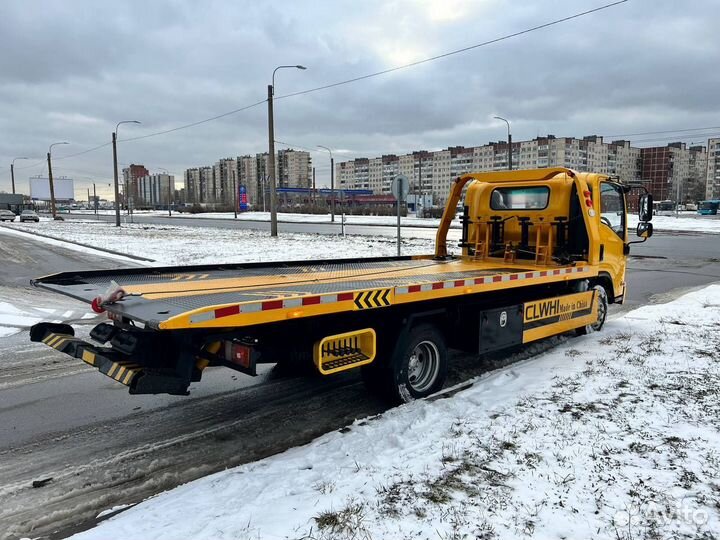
(645, 208)
(645, 229)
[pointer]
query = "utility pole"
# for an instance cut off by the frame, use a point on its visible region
(12, 172)
(314, 192)
(332, 183)
(235, 204)
(52, 187)
(115, 171)
(271, 163)
(50, 178)
(271, 152)
(95, 200)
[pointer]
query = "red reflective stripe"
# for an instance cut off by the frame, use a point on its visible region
(556, 272)
(528, 275)
(437, 286)
(496, 279)
(342, 297)
(310, 300)
(543, 274)
(513, 277)
(414, 288)
(479, 281)
(272, 304)
(227, 311)
(459, 282)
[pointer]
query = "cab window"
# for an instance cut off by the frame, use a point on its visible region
(520, 198)
(612, 208)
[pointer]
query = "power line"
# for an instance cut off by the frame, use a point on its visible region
(680, 138)
(193, 124)
(661, 132)
(457, 51)
(360, 78)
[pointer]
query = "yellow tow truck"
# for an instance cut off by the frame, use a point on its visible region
(543, 253)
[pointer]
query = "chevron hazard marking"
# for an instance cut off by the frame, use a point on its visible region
(372, 299)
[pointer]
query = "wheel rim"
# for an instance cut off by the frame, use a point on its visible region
(601, 311)
(423, 366)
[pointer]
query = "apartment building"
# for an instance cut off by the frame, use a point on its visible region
(131, 175)
(675, 172)
(434, 172)
(712, 176)
(216, 184)
(155, 190)
(225, 176)
(193, 189)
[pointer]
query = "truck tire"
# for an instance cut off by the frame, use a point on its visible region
(602, 313)
(418, 369)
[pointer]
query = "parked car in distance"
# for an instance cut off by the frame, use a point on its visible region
(29, 215)
(7, 215)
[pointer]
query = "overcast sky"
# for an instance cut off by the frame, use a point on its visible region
(70, 70)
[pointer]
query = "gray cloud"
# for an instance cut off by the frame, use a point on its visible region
(71, 70)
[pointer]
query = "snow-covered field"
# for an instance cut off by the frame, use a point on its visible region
(612, 435)
(408, 221)
(686, 221)
(184, 245)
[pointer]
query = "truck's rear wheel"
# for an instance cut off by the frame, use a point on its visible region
(602, 310)
(418, 369)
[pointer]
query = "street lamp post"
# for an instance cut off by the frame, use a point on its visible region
(12, 172)
(271, 151)
(115, 169)
(50, 178)
(509, 141)
(332, 183)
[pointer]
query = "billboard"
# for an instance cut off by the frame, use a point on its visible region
(40, 189)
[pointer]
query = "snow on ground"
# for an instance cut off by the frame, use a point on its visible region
(612, 435)
(21, 308)
(287, 217)
(60, 241)
(181, 245)
(686, 222)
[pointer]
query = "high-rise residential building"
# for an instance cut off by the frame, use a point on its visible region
(193, 190)
(434, 172)
(712, 175)
(155, 190)
(225, 175)
(674, 172)
(130, 181)
(294, 169)
(215, 184)
(207, 185)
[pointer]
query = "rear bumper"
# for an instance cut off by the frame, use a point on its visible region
(119, 367)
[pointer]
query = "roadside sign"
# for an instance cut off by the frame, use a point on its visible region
(400, 187)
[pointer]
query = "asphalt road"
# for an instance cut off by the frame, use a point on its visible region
(61, 420)
(22, 258)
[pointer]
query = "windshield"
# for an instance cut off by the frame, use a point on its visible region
(708, 205)
(28, 212)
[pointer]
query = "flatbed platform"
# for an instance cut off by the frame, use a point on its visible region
(217, 296)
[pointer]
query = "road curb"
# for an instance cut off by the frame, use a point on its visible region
(135, 257)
